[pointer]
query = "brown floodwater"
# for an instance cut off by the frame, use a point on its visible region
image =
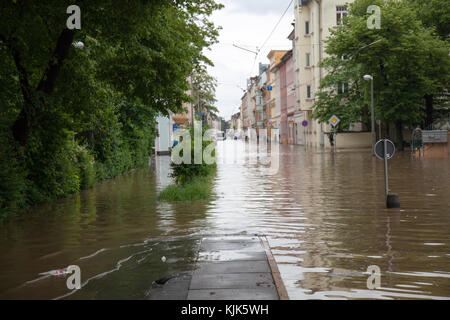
(323, 214)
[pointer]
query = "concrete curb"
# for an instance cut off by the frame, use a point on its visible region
(279, 284)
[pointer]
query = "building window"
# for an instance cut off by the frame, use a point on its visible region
(308, 60)
(342, 87)
(341, 11)
(308, 92)
(307, 27)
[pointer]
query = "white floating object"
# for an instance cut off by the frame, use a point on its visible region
(163, 259)
(59, 272)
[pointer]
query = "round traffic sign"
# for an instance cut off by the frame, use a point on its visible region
(304, 123)
(379, 149)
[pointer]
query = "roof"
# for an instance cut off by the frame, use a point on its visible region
(283, 60)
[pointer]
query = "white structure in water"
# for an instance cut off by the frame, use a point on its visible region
(163, 142)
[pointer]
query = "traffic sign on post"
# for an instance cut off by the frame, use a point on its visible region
(334, 120)
(305, 123)
(384, 150)
(379, 149)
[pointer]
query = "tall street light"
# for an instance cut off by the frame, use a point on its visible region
(368, 77)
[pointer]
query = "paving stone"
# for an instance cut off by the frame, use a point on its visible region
(230, 245)
(232, 267)
(234, 294)
(231, 239)
(232, 255)
(232, 281)
(228, 268)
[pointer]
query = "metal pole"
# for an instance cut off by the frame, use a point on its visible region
(379, 131)
(335, 140)
(373, 115)
(304, 135)
(386, 167)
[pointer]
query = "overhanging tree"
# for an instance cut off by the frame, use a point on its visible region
(58, 102)
(143, 49)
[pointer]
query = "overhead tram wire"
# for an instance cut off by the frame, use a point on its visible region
(276, 26)
(271, 33)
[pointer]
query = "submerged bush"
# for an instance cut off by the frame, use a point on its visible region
(184, 173)
(192, 181)
(199, 188)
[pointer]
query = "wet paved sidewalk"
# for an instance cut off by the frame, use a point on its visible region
(228, 268)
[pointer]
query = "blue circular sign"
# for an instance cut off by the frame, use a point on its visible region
(305, 123)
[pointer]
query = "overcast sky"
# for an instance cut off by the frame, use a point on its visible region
(246, 23)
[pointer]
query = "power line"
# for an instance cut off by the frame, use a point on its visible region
(276, 26)
(258, 50)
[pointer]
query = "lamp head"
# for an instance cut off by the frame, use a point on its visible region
(368, 77)
(78, 45)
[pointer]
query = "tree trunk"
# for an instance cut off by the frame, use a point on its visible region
(399, 134)
(22, 126)
(429, 110)
(31, 107)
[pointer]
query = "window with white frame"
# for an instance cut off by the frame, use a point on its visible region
(306, 27)
(308, 60)
(341, 11)
(308, 92)
(342, 87)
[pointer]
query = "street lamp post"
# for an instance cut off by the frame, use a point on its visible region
(370, 78)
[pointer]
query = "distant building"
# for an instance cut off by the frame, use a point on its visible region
(168, 125)
(248, 105)
(236, 122)
(284, 88)
(273, 96)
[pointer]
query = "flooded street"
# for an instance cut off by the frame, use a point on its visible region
(323, 214)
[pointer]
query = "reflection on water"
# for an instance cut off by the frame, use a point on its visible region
(323, 214)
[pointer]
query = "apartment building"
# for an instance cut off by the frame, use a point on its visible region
(244, 110)
(236, 122)
(252, 90)
(283, 115)
(313, 20)
(274, 102)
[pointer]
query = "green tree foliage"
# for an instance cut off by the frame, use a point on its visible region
(204, 91)
(70, 117)
(184, 173)
(342, 94)
(434, 14)
(406, 60)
